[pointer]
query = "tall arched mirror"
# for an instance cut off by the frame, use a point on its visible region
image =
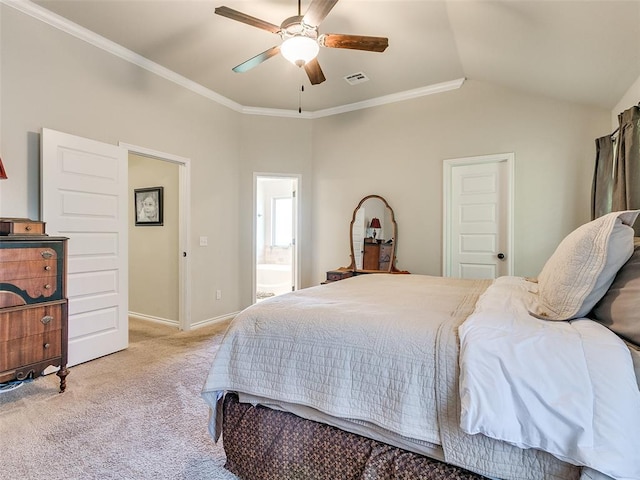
(374, 235)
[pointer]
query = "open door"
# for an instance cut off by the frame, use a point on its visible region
(276, 230)
(84, 198)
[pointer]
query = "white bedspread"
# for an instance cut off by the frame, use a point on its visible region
(567, 388)
(362, 348)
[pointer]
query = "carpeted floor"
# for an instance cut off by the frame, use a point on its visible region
(135, 414)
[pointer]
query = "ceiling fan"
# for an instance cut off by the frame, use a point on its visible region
(301, 40)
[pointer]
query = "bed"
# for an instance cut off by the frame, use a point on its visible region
(411, 376)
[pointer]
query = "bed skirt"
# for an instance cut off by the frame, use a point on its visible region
(265, 444)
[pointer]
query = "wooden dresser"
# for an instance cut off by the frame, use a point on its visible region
(377, 256)
(33, 306)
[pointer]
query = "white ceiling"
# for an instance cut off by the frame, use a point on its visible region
(582, 51)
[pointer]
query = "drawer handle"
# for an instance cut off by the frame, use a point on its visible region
(47, 267)
(46, 254)
(47, 287)
(46, 345)
(27, 228)
(46, 319)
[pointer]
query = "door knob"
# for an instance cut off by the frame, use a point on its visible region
(501, 256)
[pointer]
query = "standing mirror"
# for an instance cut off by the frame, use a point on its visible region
(374, 234)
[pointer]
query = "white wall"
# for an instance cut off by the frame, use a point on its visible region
(397, 151)
(50, 79)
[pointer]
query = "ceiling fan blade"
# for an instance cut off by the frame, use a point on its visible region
(354, 42)
(314, 72)
(257, 60)
(317, 11)
(248, 19)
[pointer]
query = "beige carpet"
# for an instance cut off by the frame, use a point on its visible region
(136, 414)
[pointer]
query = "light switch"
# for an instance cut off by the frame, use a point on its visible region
(204, 241)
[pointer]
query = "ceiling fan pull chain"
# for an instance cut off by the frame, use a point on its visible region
(300, 98)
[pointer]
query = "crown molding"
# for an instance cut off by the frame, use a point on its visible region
(46, 16)
(392, 98)
(276, 112)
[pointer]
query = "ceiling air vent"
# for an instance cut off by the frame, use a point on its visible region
(356, 78)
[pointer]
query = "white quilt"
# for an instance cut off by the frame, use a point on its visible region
(567, 388)
(362, 348)
(376, 351)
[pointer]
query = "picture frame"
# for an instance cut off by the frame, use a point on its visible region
(148, 205)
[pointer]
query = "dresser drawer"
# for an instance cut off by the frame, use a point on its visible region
(21, 227)
(30, 275)
(28, 254)
(24, 322)
(30, 290)
(335, 275)
(11, 271)
(27, 350)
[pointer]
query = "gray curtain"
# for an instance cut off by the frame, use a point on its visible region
(602, 191)
(616, 182)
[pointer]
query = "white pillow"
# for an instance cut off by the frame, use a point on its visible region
(582, 268)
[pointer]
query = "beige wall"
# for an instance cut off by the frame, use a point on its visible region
(153, 250)
(50, 79)
(397, 151)
(628, 100)
(275, 145)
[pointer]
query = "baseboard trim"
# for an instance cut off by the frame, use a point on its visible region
(174, 323)
(151, 318)
(214, 320)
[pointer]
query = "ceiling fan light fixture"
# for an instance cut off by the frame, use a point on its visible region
(300, 49)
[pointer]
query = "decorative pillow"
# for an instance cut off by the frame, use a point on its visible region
(619, 309)
(582, 268)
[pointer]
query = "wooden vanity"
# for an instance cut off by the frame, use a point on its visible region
(373, 249)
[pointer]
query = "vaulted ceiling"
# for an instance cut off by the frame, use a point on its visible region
(582, 51)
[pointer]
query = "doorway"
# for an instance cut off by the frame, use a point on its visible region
(159, 251)
(478, 216)
(275, 265)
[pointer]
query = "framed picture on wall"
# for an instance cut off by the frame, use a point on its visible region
(148, 205)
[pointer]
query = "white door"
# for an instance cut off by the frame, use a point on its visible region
(84, 198)
(478, 240)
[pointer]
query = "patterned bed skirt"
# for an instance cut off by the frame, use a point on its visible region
(266, 444)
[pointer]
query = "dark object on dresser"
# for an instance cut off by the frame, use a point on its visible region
(335, 275)
(33, 307)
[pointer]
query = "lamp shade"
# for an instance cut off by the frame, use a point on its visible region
(299, 49)
(375, 223)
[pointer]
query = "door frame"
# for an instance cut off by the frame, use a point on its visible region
(296, 229)
(448, 166)
(184, 222)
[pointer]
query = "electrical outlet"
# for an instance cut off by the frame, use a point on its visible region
(204, 241)
(218, 294)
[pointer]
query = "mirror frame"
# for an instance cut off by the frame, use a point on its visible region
(392, 262)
